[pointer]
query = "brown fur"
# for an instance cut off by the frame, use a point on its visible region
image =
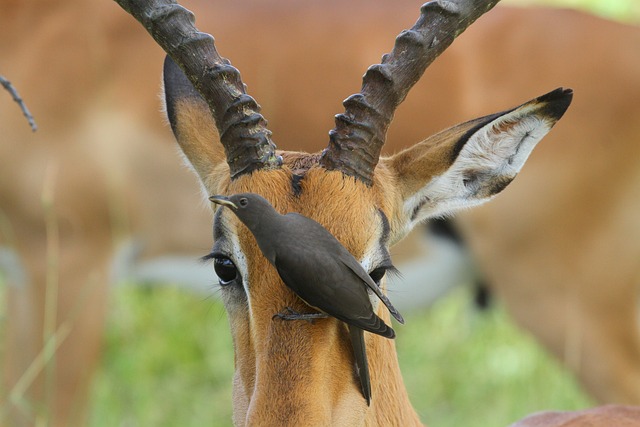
(90, 77)
(561, 245)
(603, 416)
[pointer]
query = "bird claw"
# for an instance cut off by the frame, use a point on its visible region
(290, 314)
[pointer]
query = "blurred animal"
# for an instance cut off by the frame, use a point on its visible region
(559, 247)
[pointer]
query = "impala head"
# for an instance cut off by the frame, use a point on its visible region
(298, 373)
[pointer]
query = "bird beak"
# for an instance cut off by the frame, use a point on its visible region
(224, 201)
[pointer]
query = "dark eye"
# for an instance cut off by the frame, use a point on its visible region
(378, 274)
(244, 202)
(225, 269)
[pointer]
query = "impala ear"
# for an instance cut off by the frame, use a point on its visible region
(470, 163)
(191, 121)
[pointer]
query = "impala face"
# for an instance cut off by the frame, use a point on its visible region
(299, 373)
(292, 372)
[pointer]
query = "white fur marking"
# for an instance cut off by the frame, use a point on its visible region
(241, 264)
(490, 154)
(372, 257)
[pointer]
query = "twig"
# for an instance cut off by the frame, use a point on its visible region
(14, 93)
(16, 396)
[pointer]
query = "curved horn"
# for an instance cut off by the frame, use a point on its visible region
(243, 130)
(356, 141)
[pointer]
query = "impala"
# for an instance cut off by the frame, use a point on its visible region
(100, 138)
(299, 373)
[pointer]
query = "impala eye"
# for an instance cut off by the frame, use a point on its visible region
(225, 270)
(378, 274)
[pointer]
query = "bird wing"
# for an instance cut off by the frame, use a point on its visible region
(319, 284)
(316, 235)
(357, 269)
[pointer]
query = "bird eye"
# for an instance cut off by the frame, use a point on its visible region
(225, 269)
(378, 274)
(244, 202)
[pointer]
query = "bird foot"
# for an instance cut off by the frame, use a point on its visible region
(290, 314)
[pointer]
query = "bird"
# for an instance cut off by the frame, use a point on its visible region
(318, 269)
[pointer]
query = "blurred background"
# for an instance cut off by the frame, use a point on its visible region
(107, 316)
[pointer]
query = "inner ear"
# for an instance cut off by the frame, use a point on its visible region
(470, 163)
(489, 158)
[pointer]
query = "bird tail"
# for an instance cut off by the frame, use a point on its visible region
(362, 366)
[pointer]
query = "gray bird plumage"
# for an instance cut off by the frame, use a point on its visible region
(315, 265)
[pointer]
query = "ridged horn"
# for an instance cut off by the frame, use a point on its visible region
(356, 141)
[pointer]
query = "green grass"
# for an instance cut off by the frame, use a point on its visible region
(623, 10)
(466, 368)
(169, 362)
